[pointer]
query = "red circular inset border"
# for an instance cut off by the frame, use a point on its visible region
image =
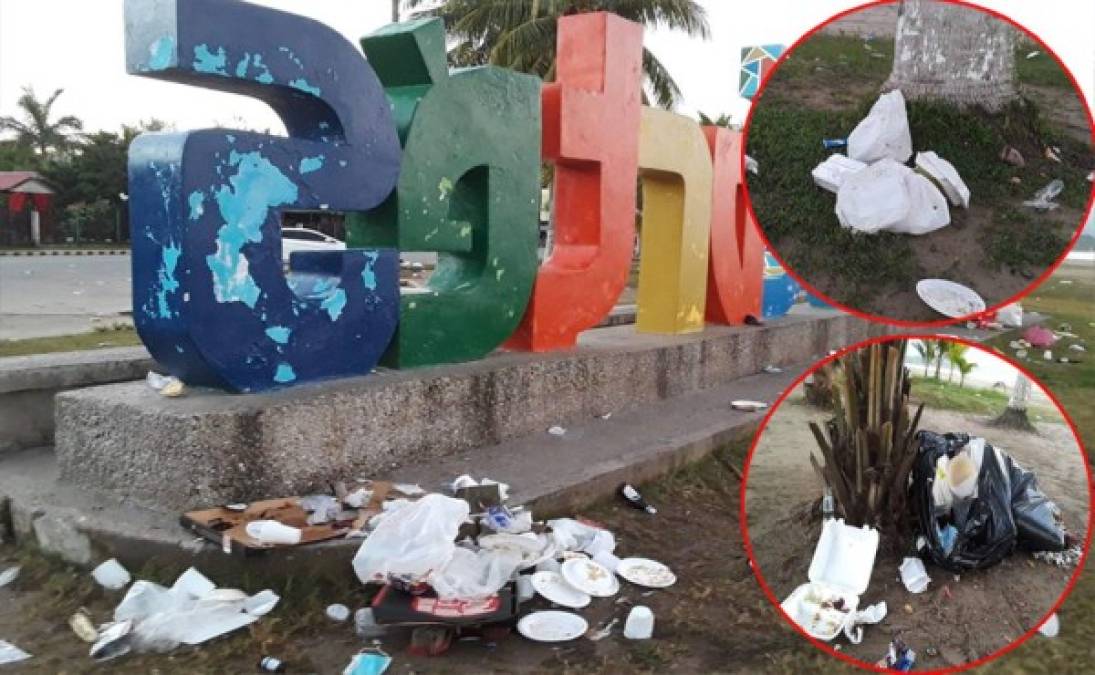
(874, 317)
(744, 516)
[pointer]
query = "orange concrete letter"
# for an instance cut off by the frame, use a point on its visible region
(591, 133)
(735, 275)
(676, 175)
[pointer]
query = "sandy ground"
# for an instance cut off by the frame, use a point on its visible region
(960, 618)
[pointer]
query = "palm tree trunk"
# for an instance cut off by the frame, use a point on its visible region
(1015, 415)
(952, 53)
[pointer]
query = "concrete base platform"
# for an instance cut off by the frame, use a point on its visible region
(213, 448)
(554, 475)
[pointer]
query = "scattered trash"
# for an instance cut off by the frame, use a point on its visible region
(1066, 559)
(1073, 347)
(271, 664)
(9, 575)
(430, 641)
(1091, 177)
(555, 589)
(525, 589)
(1053, 154)
(1047, 355)
(1051, 627)
(1043, 199)
(111, 575)
(752, 166)
(556, 430)
(605, 416)
(913, 575)
(82, 625)
(629, 493)
(646, 572)
(748, 406)
(1032, 54)
(1012, 156)
(884, 132)
(945, 176)
(1011, 315)
(836, 168)
(839, 574)
(338, 612)
(1039, 336)
(771, 370)
(889, 196)
(834, 143)
(112, 642)
(949, 299)
(899, 657)
(639, 624)
(368, 663)
(552, 626)
(365, 624)
(9, 653)
(603, 632)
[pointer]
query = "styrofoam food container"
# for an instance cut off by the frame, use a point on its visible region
(841, 568)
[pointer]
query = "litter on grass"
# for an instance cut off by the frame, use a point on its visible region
(884, 133)
(9, 653)
(9, 575)
(1043, 198)
(950, 299)
(889, 196)
(836, 168)
(945, 176)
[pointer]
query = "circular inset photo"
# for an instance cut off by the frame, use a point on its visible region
(917, 504)
(920, 161)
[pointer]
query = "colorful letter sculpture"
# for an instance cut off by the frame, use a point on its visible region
(210, 298)
(591, 134)
(756, 62)
(734, 278)
(675, 167)
(781, 291)
(469, 189)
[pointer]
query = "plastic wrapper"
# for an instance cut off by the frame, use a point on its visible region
(884, 132)
(412, 542)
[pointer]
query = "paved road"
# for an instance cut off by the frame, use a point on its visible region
(60, 295)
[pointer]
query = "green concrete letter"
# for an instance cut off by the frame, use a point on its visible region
(469, 190)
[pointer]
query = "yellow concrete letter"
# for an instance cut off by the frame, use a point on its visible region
(675, 167)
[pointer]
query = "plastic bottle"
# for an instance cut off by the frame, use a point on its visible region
(635, 499)
(270, 664)
(828, 510)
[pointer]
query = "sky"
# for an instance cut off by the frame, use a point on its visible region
(78, 45)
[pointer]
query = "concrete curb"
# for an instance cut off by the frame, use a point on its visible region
(52, 251)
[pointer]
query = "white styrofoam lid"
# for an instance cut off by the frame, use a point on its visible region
(844, 557)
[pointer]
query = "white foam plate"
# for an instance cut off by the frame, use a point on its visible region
(554, 587)
(748, 406)
(646, 572)
(949, 299)
(590, 577)
(531, 549)
(552, 626)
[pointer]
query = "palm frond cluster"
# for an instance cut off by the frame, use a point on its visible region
(520, 34)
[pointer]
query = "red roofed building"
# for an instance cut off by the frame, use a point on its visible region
(28, 197)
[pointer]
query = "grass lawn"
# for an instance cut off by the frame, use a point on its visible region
(997, 246)
(988, 402)
(125, 337)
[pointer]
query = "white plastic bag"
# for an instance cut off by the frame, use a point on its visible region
(1011, 315)
(875, 198)
(888, 196)
(836, 168)
(884, 132)
(412, 542)
(571, 535)
(474, 575)
(944, 173)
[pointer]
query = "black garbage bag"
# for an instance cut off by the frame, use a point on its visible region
(1036, 516)
(979, 532)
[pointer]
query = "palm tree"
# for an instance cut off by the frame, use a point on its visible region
(927, 350)
(1015, 415)
(520, 34)
(953, 53)
(956, 358)
(36, 130)
(722, 120)
(964, 368)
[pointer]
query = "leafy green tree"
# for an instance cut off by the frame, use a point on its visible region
(37, 128)
(520, 34)
(927, 349)
(16, 156)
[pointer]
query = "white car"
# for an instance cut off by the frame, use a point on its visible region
(295, 239)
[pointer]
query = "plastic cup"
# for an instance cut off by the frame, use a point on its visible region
(273, 532)
(913, 575)
(639, 624)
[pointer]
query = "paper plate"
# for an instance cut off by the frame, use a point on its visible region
(949, 299)
(590, 577)
(552, 626)
(552, 586)
(748, 406)
(646, 572)
(532, 550)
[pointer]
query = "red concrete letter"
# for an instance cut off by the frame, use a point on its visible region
(735, 273)
(591, 133)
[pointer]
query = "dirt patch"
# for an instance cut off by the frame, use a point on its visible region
(961, 617)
